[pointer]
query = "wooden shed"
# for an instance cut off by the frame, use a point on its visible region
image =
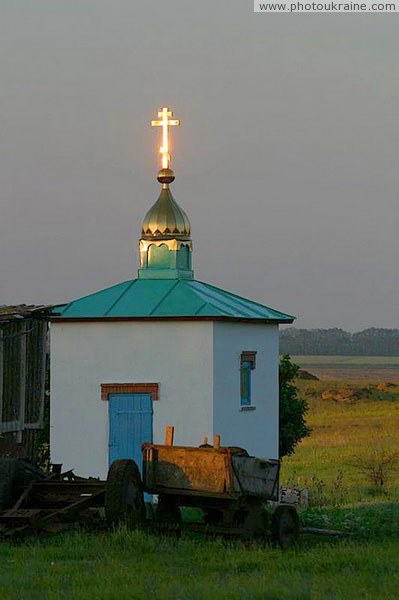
(24, 350)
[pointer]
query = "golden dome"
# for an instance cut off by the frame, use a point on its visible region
(165, 219)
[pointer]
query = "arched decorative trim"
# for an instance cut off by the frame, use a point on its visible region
(129, 388)
(158, 256)
(172, 244)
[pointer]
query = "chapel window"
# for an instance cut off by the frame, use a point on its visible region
(247, 364)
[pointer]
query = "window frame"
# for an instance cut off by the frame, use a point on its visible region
(247, 365)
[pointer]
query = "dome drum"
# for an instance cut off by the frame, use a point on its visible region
(165, 259)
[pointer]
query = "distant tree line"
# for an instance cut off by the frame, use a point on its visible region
(370, 342)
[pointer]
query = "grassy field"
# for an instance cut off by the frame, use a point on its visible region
(351, 368)
(350, 423)
(126, 565)
(347, 419)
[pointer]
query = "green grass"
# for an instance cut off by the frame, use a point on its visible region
(365, 565)
(134, 565)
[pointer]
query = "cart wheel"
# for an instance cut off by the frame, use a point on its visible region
(261, 532)
(124, 499)
(168, 515)
(254, 522)
(285, 526)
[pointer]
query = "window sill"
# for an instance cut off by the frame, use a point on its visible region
(247, 408)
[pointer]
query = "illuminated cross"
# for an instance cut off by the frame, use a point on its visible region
(165, 122)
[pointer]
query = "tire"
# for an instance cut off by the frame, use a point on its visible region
(124, 498)
(285, 526)
(168, 515)
(253, 520)
(262, 534)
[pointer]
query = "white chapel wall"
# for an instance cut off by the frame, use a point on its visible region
(177, 355)
(255, 430)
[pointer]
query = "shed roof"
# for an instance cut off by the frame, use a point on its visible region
(167, 299)
(23, 311)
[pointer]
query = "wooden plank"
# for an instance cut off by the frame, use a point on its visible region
(327, 532)
(1, 373)
(190, 494)
(10, 426)
(37, 373)
(71, 510)
(23, 497)
(169, 435)
(22, 377)
(222, 450)
(44, 341)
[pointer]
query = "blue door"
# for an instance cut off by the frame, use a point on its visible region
(130, 424)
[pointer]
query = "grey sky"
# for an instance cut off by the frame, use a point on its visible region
(286, 159)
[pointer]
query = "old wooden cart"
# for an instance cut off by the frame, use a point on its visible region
(237, 494)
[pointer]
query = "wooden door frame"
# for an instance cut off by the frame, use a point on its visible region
(129, 388)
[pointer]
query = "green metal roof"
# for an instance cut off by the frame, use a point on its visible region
(168, 298)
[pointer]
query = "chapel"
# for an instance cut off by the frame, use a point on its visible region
(162, 349)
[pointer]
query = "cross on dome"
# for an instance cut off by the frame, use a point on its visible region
(165, 244)
(165, 122)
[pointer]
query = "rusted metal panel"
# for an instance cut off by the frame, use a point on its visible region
(186, 468)
(255, 476)
(208, 470)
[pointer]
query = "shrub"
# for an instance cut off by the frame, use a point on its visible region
(378, 465)
(293, 410)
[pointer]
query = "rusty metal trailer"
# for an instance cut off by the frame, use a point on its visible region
(237, 494)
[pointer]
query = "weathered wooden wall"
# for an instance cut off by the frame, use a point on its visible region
(23, 351)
